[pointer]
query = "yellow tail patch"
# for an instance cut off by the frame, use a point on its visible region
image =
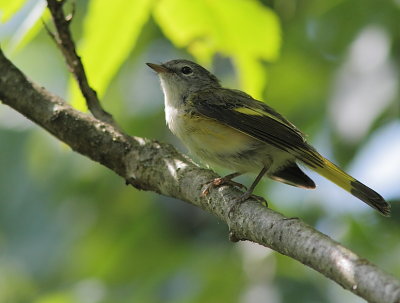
(351, 185)
(335, 174)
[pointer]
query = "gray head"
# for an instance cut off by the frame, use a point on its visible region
(180, 77)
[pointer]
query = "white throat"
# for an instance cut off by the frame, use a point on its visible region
(173, 112)
(172, 96)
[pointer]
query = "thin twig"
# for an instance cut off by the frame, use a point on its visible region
(65, 43)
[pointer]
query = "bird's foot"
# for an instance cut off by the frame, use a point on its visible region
(245, 197)
(227, 180)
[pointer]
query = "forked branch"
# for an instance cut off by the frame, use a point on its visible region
(66, 44)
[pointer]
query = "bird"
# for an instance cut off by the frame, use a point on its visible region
(228, 128)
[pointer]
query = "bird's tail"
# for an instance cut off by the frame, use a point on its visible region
(351, 185)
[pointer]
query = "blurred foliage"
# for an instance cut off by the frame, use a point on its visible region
(109, 32)
(209, 27)
(71, 231)
(31, 15)
(9, 8)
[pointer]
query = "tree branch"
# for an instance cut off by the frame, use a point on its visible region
(158, 167)
(66, 44)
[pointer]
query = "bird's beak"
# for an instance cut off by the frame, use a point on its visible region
(158, 68)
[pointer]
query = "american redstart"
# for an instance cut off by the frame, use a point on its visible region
(228, 128)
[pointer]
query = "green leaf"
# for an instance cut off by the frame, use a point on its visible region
(252, 75)
(8, 8)
(30, 27)
(111, 29)
(245, 30)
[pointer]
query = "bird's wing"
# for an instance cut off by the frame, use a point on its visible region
(254, 118)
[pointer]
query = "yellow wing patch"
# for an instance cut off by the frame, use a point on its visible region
(260, 113)
(250, 111)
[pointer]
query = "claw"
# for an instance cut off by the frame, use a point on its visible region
(228, 180)
(243, 198)
(221, 181)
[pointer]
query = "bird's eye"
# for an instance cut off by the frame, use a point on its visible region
(186, 70)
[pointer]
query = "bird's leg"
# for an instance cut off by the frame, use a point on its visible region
(249, 192)
(221, 181)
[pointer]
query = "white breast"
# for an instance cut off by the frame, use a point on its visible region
(173, 117)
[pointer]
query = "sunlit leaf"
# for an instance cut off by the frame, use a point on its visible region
(252, 75)
(247, 28)
(244, 30)
(30, 27)
(111, 29)
(8, 8)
